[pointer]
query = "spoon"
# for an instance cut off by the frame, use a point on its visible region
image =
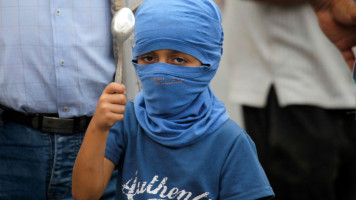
(122, 26)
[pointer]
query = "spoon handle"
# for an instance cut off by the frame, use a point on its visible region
(119, 66)
(116, 5)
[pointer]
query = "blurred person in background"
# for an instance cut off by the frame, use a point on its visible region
(56, 58)
(296, 94)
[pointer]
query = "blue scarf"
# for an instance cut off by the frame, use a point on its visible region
(176, 106)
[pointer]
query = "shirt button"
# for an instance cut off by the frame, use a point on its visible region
(65, 109)
(61, 62)
(58, 12)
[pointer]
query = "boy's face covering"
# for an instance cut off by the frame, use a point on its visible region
(173, 91)
(176, 106)
(189, 26)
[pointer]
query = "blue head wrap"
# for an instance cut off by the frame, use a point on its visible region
(190, 26)
(176, 107)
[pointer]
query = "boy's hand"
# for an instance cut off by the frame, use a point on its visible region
(110, 108)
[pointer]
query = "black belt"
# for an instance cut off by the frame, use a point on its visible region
(49, 123)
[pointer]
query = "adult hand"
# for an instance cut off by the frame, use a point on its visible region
(337, 19)
(110, 108)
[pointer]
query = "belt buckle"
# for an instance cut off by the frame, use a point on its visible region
(57, 125)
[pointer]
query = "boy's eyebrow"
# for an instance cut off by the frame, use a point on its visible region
(148, 53)
(175, 51)
(170, 51)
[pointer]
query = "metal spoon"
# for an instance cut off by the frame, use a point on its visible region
(122, 26)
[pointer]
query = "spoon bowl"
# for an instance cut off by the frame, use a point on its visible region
(122, 24)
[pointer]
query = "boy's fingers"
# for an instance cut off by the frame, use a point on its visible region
(114, 99)
(113, 88)
(118, 109)
(116, 117)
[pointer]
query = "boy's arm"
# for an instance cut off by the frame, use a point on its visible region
(92, 171)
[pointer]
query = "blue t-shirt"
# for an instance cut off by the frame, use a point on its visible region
(224, 165)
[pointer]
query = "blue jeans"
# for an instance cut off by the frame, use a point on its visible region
(37, 165)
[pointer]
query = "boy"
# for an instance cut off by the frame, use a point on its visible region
(176, 140)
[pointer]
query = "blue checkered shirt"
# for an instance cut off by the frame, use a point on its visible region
(55, 55)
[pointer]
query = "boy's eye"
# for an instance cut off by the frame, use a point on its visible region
(147, 58)
(179, 60)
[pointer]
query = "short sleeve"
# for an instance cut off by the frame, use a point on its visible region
(242, 175)
(115, 143)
